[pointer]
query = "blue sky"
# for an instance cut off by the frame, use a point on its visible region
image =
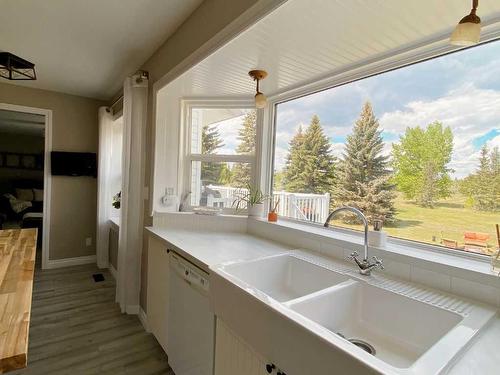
(462, 90)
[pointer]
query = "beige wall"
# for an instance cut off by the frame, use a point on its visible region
(73, 199)
(204, 23)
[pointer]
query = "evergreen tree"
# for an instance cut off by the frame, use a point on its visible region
(484, 161)
(241, 173)
(310, 165)
(484, 198)
(495, 178)
(482, 187)
(210, 142)
(210, 139)
(495, 161)
(278, 181)
(363, 173)
(225, 175)
(420, 162)
(291, 178)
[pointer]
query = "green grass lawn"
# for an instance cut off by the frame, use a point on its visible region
(448, 219)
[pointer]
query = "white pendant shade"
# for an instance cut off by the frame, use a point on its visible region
(466, 34)
(260, 100)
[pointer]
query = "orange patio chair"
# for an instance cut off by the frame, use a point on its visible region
(476, 239)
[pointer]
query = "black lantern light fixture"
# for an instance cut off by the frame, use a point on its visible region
(14, 68)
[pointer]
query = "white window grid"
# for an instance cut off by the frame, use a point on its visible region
(192, 175)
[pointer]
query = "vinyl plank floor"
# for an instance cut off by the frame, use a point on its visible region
(77, 328)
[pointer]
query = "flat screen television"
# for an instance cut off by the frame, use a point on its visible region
(73, 163)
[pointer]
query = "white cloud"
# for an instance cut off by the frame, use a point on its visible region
(280, 158)
(337, 130)
(228, 130)
(470, 113)
(484, 73)
(338, 149)
(495, 142)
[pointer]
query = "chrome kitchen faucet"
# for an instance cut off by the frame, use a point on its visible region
(365, 266)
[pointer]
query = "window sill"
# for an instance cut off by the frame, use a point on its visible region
(115, 223)
(192, 213)
(398, 252)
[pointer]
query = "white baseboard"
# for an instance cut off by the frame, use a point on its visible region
(144, 319)
(132, 309)
(68, 262)
(113, 271)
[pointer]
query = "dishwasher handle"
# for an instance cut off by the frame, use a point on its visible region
(189, 273)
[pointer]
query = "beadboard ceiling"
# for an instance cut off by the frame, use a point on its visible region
(306, 40)
(87, 47)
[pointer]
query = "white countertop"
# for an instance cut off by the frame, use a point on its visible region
(483, 357)
(206, 249)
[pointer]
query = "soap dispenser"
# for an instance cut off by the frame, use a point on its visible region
(170, 200)
(377, 237)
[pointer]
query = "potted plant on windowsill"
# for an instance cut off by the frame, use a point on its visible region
(117, 200)
(251, 198)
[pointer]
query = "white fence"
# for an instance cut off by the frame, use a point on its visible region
(309, 207)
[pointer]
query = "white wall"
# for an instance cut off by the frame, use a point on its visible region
(168, 145)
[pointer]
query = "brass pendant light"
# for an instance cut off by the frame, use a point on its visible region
(260, 98)
(468, 30)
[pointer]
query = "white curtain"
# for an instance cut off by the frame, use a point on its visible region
(104, 195)
(135, 94)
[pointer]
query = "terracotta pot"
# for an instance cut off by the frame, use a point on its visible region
(272, 217)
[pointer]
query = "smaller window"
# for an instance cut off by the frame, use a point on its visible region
(221, 153)
(222, 131)
(216, 183)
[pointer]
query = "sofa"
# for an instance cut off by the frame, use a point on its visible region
(19, 198)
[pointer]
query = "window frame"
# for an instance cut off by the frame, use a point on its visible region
(405, 58)
(187, 157)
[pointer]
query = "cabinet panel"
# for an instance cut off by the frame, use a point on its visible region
(157, 291)
(234, 356)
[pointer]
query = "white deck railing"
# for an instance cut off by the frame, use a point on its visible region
(310, 207)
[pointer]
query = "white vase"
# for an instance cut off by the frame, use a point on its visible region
(257, 210)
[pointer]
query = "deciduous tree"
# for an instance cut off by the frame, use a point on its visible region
(421, 163)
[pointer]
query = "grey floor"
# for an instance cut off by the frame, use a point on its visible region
(77, 328)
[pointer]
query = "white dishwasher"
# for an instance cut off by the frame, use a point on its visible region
(191, 324)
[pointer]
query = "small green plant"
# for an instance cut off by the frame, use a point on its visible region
(248, 197)
(117, 200)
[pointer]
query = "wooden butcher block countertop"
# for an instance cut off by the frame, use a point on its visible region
(17, 263)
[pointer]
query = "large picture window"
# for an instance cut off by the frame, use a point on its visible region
(221, 153)
(416, 147)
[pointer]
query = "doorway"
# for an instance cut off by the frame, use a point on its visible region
(25, 184)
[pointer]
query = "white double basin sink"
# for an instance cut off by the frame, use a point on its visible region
(338, 319)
